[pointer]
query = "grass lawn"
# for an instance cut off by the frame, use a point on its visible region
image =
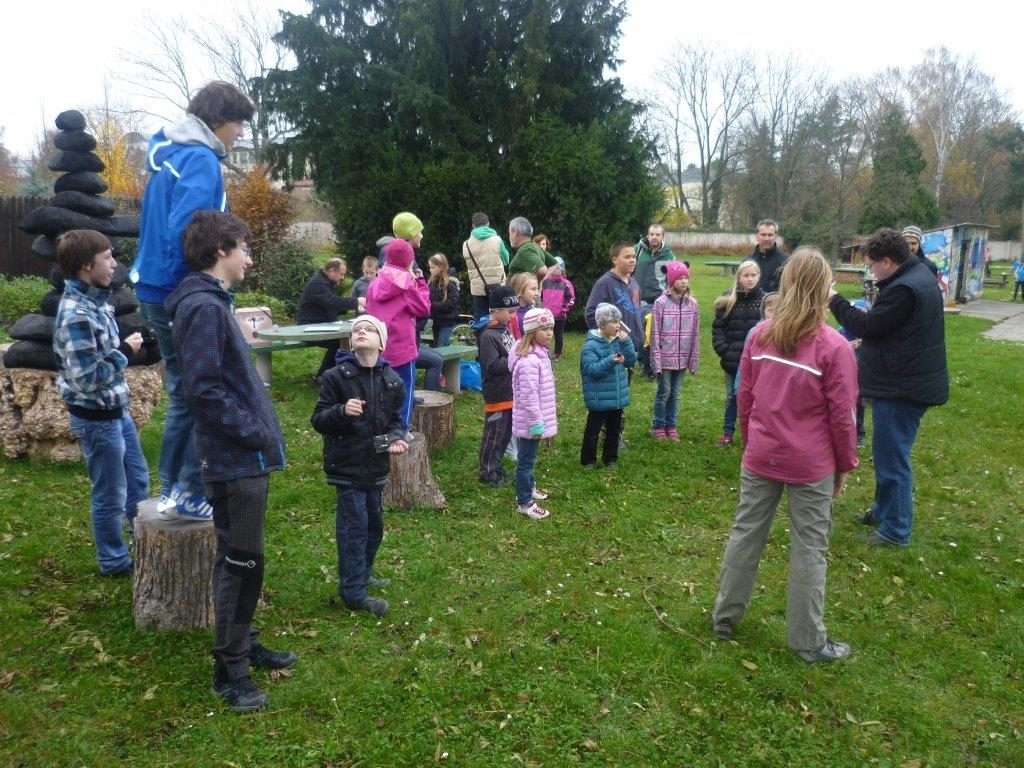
(582, 639)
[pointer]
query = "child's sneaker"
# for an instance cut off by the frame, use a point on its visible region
(540, 495)
(673, 434)
(532, 511)
(658, 433)
(241, 695)
(186, 506)
(375, 605)
(723, 441)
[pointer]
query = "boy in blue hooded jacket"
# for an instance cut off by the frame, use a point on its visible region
(185, 176)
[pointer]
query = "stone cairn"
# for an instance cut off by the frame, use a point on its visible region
(33, 419)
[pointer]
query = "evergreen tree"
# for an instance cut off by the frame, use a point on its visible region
(896, 196)
(446, 107)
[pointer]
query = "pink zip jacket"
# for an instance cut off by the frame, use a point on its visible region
(558, 295)
(397, 298)
(533, 394)
(675, 338)
(798, 414)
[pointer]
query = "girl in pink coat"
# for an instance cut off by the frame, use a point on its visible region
(397, 297)
(533, 406)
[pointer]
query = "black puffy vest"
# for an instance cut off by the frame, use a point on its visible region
(909, 364)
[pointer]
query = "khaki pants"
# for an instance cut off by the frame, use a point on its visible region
(810, 513)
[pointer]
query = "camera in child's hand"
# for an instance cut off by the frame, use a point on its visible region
(381, 443)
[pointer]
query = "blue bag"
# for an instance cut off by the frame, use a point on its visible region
(469, 375)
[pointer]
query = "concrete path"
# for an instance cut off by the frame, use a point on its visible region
(1008, 318)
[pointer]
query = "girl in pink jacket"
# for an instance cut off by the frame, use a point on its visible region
(533, 406)
(798, 392)
(675, 326)
(398, 296)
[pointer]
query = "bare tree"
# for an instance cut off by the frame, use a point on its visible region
(954, 102)
(177, 57)
(704, 96)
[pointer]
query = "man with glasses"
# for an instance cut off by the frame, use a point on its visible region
(320, 304)
(185, 177)
(902, 369)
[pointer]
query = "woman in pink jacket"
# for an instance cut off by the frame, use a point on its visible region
(398, 296)
(533, 405)
(797, 400)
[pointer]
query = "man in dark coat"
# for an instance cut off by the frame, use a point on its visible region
(902, 369)
(320, 304)
(768, 256)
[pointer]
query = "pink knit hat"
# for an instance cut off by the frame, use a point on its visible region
(674, 270)
(538, 318)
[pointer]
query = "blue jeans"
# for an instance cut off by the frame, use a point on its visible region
(480, 307)
(407, 373)
(527, 459)
(666, 400)
(729, 423)
(119, 478)
(178, 467)
(443, 335)
(359, 530)
(895, 429)
(432, 366)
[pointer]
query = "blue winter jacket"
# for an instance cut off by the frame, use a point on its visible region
(185, 177)
(237, 433)
(605, 382)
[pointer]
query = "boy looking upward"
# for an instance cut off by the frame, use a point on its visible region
(238, 443)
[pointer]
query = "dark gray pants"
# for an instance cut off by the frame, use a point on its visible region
(810, 513)
(239, 516)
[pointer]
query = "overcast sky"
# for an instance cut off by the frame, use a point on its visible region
(61, 54)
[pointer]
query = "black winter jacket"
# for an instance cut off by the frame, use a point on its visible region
(320, 304)
(771, 265)
(729, 333)
(349, 454)
(493, 345)
(237, 433)
(443, 311)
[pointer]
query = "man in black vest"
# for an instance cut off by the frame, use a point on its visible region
(902, 369)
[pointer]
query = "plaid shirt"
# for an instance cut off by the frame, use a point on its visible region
(86, 341)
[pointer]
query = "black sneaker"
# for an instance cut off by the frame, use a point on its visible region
(721, 631)
(261, 657)
(241, 695)
(868, 518)
(374, 605)
(495, 481)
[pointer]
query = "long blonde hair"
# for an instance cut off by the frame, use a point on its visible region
(803, 296)
(443, 279)
(725, 303)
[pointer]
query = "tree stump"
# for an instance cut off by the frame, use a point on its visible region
(410, 483)
(173, 571)
(435, 418)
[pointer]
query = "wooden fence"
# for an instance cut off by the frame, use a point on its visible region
(16, 257)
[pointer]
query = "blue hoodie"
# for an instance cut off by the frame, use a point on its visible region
(185, 177)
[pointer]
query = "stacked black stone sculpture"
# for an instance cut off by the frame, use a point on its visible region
(77, 205)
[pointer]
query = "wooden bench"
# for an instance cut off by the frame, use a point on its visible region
(991, 282)
(453, 355)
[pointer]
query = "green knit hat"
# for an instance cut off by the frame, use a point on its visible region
(406, 225)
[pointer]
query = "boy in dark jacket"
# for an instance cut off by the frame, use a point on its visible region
(238, 443)
(494, 342)
(359, 413)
